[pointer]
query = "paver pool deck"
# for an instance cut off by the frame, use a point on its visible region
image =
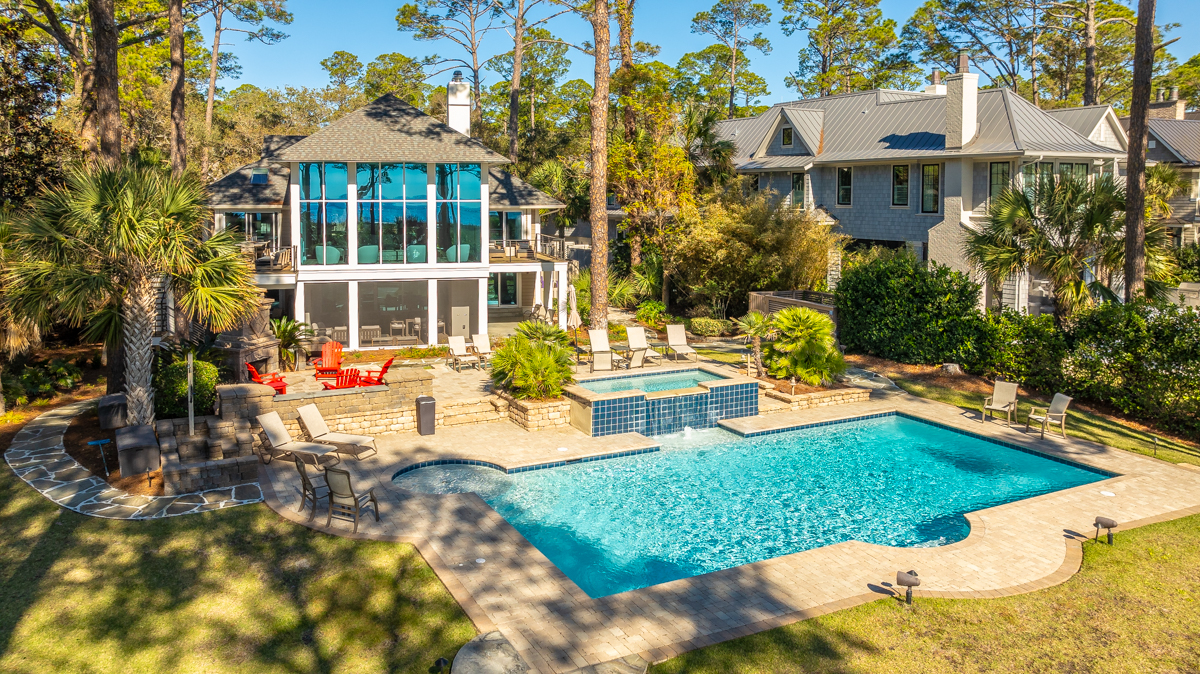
(1013, 548)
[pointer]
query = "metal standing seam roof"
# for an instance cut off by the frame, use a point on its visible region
(1083, 120)
(1181, 136)
(388, 129)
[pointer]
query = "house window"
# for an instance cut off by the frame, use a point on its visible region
(1076, 171)
(1034, 173)
(930, 182)
(327, 310)
(258, 177)
(505, 225)
(786, 136)
(798, 189)
(998, 178)
(459, 219)
(900, 185)
(323, 211)
(845, 185)
(502, 290)
(1151, 144)
(391, 312)
(392, 214)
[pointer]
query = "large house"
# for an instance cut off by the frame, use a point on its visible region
(388, 227)
(915, 168)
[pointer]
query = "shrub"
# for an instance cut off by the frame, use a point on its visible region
(804, 347)
(896, 308)
(170, 389)
(1021, 348)
(650, 312)
(530, 369)
(705, 327)
(33, 381)
(547, 333)
(1188, 259)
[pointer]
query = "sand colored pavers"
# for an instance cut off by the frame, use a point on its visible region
(1012, 548)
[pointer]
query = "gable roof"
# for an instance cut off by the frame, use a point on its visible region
(234, 189)
(1181, 136)
(1083, 120)
(505, 189)
(884, 124)
(388, 129)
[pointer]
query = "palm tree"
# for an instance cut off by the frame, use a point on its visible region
(89, 252)
(567, 182)
(1162, 183)
(291, 334)
(756, 327)
(1069, 230)
(712, 157)
(804, 347)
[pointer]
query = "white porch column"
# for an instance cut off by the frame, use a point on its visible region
(539, 288)
(562, 298)
(352, 308)
(483, 306)
(431, 319)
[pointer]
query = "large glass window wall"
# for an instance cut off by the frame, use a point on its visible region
(392, 213)
(392, 312)
(255, 227)
(323, 213)
(327, 312)
(459, 214)
(505, 225)
(458, 308)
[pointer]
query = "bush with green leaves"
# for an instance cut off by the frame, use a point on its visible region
(546, 333)
(650, 312)
(1017, 347)
(530, 369)
(705, 327)
(170, 389)
(33, 381)
(1188, 260)
(896, 307)
(804, 347)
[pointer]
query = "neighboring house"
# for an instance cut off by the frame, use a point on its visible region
(388, 227)
(915, 168)
(1175, 140)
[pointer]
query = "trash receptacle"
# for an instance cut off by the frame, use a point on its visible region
(426, 415)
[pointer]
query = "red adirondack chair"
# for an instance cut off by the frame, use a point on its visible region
(272, 379)
(347, 378)
(330, 362)
(373, 378)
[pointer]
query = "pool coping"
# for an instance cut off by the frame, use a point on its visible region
(558, 628)
(588, 396)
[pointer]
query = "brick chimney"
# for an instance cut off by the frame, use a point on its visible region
(1175, 108)
(458, 104)
(962, 102)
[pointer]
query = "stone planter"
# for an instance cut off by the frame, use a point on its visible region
(804, 401)
(536, 415)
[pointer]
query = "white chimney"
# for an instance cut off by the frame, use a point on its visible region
(962, 101)
(458, 104)
(936, 86)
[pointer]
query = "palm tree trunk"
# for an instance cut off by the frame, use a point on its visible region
(138, 328)
(598, 189)
(178, 144)
(1135, 196)
(758, 364)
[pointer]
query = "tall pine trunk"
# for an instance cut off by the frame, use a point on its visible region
(218, 12)
(1089, 52)
(625, 46)
(137, 314)
(106, 81)
(598, 189)
(1135, 194)
(178, 144)
(514, 87)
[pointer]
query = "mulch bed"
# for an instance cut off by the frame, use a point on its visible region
(85, 428)
(785, 386)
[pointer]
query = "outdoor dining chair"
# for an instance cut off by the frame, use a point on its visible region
(279, 441)
(483, 347)
(1003, 399)
(1055, 415)
(310, 491)
(460, 357)
(343, 500)
(357, 446)
(677, 342)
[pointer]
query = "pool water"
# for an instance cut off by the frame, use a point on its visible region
(712, 500)
(650, 383)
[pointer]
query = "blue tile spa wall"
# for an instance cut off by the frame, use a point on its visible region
(671, 414)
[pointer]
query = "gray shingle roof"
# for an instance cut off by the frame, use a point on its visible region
(388, 129)
(235, 189)
(1181, 136)
(274, 144)
(505, 189)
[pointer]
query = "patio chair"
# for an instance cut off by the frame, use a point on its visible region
(347, 378)
(272, 379)
(1056, 414)
(279, 441)
(310, 491)
(330, 362)
(639, 348)
(368, 333)
(603, 361)
(375, 377)
(1003, 399)
(343, 500)
(483, 347)
(357, 446)
(677, 341)
(599, 342)
(459, 355)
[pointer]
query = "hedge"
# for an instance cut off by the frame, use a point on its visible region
(170, 389)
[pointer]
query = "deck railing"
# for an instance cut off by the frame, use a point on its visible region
(268, 258)
(770, 301)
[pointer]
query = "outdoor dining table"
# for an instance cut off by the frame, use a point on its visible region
(314, 455)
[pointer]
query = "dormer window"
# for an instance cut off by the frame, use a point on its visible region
(258, 177)
(786, 136)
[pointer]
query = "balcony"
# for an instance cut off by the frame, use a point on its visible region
(545, 248)
(268, 258)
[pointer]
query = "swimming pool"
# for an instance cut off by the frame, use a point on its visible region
(711, 500)
(650, 383)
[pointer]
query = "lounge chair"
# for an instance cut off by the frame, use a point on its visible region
(345, 379)
(459, 355)
(272, 379)
(677, 342)
(1055, 415)
(483, 347)
(1003, 399)
(342, 498)
(279, 441)
(639, 348)
(330, 362)
(603, 357)
(346, 443)
(603, 361)
(375, 377)
(310, 491)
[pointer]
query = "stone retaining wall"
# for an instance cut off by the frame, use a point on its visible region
(219, 454)
(538, 415)
(804, 401)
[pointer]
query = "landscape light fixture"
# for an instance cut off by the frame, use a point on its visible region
(1106, 523)
(442, 664)
(907, 580)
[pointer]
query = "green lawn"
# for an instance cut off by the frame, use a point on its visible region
(1080, 424)
(233, 591)
(1133, 608)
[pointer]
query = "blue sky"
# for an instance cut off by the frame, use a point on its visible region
(367, 28)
